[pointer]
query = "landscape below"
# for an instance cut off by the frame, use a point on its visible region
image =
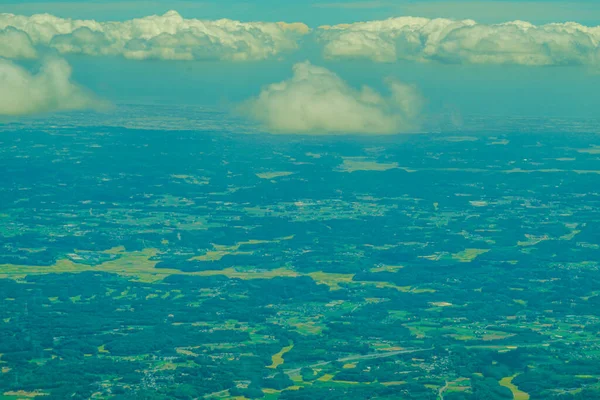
(146, 264)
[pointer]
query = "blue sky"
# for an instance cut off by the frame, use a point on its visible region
(474, 90)
(316, 13)
(561, 76)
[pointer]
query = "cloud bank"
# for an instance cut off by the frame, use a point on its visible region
(166, 37)
(172, 37)
(22, 93)
(451, 41)
(317, 101)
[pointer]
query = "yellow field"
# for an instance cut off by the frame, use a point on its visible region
(469, 255)
(186, 352)
(532, 240)
(441, 304)
(308, 328)
(496, 336)
(21, 394)
(517, 394)
(461, 337)
(141, 266)
(134, 264)
(219, 251)
(352, 164)
(129, 264)
(325, 378)
(216, 255)
(387, 268)
(331, 280)
(192, 180)
(592, 150)
(278, 358)
(273, 175)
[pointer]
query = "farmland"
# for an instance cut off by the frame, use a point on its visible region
(209, 266)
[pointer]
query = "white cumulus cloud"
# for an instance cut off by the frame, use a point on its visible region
(16, 44)
(168, 36)
(51, 89)
(451, 41)
(317, 101)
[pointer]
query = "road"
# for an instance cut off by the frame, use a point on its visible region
(296, 371)
(442, 391)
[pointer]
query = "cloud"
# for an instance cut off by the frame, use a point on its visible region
(317, 101)
(172, 37)
(166, 37)
(22, 93)
(466, 42)
(16, 44)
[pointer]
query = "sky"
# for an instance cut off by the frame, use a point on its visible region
(316, 13)
(305, 67)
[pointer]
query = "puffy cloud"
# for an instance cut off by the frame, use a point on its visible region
(172, 37)
(16, 44)
(317, 101)
(169, 36)
(450, 41)
(22, 93)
